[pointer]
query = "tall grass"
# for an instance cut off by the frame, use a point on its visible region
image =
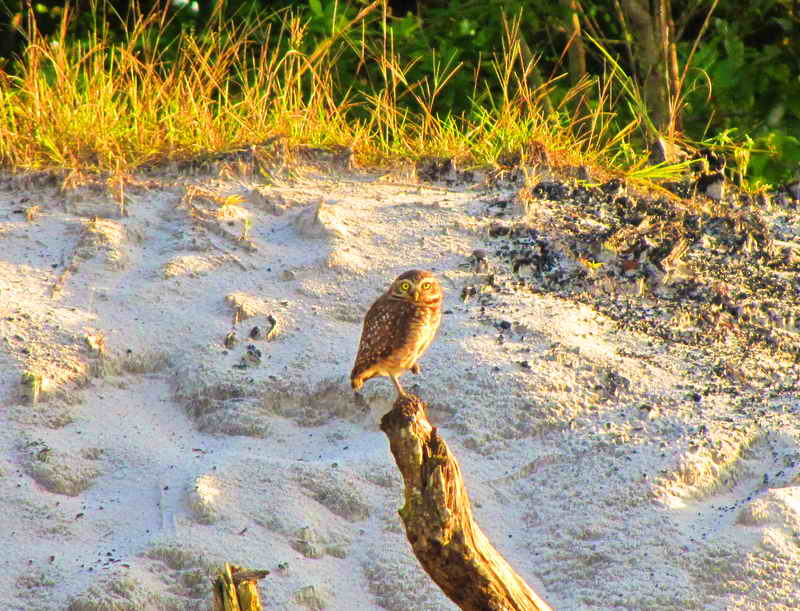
(101, 104)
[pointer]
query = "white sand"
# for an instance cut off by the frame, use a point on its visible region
(139, 471)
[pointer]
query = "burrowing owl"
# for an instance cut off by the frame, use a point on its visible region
(398, 328)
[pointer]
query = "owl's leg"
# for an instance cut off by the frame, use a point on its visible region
(397, 385)
(415, 368)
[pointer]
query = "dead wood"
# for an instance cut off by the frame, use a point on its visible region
(235, 589)
(438, 518)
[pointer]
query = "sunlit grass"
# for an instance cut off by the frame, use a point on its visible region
(100, 105)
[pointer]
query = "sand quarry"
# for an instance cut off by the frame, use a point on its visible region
(598, 459)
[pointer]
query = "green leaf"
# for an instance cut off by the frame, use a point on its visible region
(779, 72)
(316, 7)
(735, 49)
(465, 28)
(793, 104)
(725, 74)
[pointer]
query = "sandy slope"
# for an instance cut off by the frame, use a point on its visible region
(149, 461)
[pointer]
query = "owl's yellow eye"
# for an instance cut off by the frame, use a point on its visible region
(426, 286)
(405, 286)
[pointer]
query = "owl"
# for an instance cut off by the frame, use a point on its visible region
(398, 328)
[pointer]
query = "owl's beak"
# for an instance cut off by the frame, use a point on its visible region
(417, 294)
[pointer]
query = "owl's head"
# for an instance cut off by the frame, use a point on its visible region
(418, 286)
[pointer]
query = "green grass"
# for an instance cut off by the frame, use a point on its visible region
(103, 105)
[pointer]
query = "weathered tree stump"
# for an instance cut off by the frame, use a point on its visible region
(235, 589)
(438, 519)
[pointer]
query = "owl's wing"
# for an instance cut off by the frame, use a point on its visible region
(385, 326)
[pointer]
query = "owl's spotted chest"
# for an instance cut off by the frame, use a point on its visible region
(414, 327)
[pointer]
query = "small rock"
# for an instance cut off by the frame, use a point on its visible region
(230, 339)
(712, 186)
(793, 189)
(467, 292)
(479, 260)
(272, 327)
(436, 169)
(715, 161)
(780, 200)
(253, 355)
(613, 188)
(550, 189)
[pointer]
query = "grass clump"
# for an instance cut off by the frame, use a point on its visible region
(103, 103)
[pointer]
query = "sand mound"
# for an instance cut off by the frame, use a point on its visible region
(619, 390)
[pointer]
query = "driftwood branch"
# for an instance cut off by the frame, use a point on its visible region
(235, 589)
(438, 519)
